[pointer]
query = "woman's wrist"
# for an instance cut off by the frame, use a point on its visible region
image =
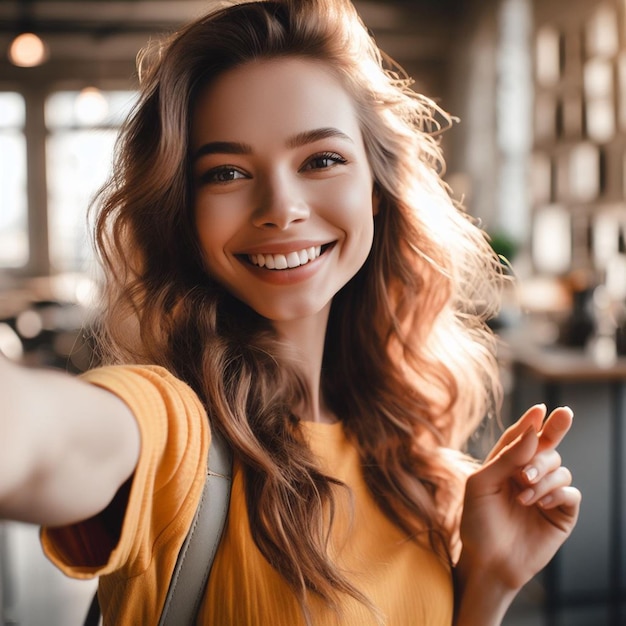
(481, 596)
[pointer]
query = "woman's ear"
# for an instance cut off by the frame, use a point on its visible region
(376, 197)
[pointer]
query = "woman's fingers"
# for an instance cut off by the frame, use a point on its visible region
(526, 454)
(567, 499)
(561, 508)
(543, 491)
(551, 431)
(555, 427)
(533, 417)
(506, 463)
(540, 465)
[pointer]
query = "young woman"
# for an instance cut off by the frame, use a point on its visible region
(284, 265)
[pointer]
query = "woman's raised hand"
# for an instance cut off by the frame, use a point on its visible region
(519, 506)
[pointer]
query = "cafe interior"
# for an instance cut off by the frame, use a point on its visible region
(536, 153)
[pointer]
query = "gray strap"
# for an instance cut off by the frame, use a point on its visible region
(195, 558)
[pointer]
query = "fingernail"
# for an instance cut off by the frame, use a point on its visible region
(568, 410)
(530, 473)
(545, 501)
(526, 496)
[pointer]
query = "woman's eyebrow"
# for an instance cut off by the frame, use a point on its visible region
(300, 139)
(309, 136)
(222, 147)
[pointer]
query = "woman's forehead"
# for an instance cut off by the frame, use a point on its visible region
(283, 96)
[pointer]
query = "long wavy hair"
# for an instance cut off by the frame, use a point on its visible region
(409, 363)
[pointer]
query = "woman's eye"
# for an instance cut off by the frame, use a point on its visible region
(323, 161)
(220, 175)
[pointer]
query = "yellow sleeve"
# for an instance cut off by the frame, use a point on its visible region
(136, 560)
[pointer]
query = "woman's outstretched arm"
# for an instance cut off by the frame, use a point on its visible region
(519, 508)
(67, 446)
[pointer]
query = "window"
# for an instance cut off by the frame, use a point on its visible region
(13, 204)
(83, 127)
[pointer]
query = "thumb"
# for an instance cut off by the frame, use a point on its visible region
(511, 458)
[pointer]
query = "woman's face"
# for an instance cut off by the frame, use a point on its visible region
(283, 189)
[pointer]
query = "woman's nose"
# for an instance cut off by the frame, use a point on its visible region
(281, 204)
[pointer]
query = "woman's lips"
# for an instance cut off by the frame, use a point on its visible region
(280, 258)
(276, 268)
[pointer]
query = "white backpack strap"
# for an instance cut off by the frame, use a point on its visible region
(191, 574)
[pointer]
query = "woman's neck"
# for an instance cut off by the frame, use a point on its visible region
(306, 336)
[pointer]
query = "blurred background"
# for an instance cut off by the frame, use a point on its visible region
(539, 157)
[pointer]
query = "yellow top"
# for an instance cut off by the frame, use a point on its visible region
(408, 583)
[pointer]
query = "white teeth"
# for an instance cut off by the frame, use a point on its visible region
(280, 262)
(285, 261)
(293, 259)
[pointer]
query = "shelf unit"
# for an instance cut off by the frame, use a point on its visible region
(578, 164)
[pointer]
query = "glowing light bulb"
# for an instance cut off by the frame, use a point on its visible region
(28, 50)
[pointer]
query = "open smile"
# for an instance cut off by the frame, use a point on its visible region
(287, 261)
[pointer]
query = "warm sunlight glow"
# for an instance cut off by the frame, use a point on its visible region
(91, 106)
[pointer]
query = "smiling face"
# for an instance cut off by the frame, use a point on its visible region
(283, 188)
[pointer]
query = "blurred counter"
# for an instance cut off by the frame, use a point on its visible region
(558, 363)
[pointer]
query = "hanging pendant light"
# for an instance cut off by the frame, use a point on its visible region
(28, 50)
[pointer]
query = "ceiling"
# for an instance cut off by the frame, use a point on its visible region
(112, 31)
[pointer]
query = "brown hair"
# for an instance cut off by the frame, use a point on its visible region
(409, 362)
